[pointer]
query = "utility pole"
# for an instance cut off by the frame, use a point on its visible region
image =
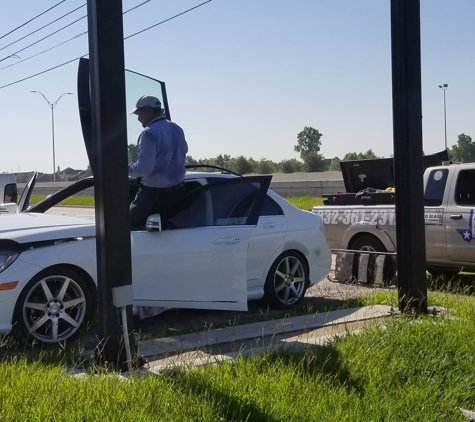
(52, 106)
(444, 87)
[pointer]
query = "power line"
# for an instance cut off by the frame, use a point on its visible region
(44, 71)
(39, 29)
(32, 19)
(42, 39)
(44, 51)
(166, 20)
(61, 43)
(130, 36)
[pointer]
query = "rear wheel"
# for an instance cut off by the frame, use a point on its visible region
(372, 244)
(54, 306)
(286, 282)
(368, 243)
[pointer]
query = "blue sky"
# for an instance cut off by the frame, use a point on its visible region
(243, 76)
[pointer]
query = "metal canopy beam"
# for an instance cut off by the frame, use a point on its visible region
(109, 138)
(408, 152)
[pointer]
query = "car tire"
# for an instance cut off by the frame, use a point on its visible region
(368, 243)
(53, 307)
(287, 281)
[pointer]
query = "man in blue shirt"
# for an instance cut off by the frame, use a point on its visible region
(160, 164)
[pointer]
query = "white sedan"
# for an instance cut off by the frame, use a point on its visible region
(231, 240)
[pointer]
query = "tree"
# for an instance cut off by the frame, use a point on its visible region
(265, 166)
(464, 150)
(308, 145)
(314, 162)
(335, 165)
(223, 160)
(240, 165)
(308, 141)
(133, 153)
(290, 166)
(190, 161)
(368, 155)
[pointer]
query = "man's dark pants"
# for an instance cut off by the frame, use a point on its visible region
(153, 201)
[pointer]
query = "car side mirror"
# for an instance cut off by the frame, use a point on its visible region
(154, 223)
(9, 207)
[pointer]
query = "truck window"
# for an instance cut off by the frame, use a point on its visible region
(435, 187)
(465, 188)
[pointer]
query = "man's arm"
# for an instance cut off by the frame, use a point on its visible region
(147, 151)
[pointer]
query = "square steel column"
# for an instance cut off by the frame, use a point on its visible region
(408, 152)
(109, 138)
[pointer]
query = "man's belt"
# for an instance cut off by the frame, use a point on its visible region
(174, 188)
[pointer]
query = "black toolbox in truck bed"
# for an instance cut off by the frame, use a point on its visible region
(371, 182)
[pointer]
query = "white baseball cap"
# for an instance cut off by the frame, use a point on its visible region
(146, 100)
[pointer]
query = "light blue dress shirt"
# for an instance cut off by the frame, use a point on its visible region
(162, 150)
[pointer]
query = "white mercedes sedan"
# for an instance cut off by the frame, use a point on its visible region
(229, 241)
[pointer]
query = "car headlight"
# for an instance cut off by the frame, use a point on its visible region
(7, 258)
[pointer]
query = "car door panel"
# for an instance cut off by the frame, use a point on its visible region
(197, 267)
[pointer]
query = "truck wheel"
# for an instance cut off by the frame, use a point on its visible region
(371, 244)
(368, 243)
(286, 282)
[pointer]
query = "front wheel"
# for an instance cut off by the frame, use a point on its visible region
(54, 306)
(286, 282)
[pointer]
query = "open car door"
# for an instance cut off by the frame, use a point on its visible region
(26, 194)
(199, 259)
(136, 85)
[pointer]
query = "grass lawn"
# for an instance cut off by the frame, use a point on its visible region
(410, 369)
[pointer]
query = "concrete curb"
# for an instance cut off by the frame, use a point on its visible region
(225, 344)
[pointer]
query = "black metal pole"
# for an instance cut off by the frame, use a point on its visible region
(408, 153)
(109, 138)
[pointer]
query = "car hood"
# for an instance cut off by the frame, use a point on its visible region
(30, 227)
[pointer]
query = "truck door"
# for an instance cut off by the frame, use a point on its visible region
(435, 200)
(460, 223)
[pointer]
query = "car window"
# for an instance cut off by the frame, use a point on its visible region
(465, 189)
(435, 187)
(219, 204)
(270, 207)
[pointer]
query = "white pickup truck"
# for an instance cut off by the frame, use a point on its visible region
(8, 193)
(449, 198)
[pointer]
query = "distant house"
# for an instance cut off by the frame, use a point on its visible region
(67, 174)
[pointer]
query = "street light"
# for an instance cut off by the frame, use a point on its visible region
(52, 106)
(444, 87)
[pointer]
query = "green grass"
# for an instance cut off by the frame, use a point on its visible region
(410, 369)
(76, 200)
(305, 202)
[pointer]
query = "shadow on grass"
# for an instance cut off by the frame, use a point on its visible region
(316, 362)
(462, 283)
